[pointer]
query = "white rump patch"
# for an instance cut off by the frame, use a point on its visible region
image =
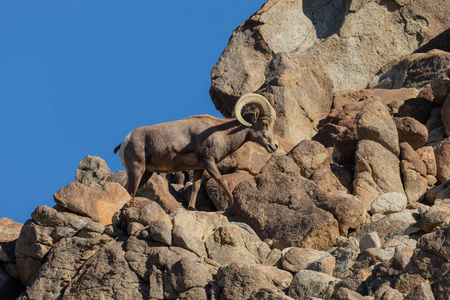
(125, 142)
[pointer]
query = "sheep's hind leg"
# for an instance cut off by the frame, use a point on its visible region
(197, 180)
(135, 176)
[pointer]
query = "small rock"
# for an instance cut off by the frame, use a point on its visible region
(307, 283)
(370, 240)
(309, 156)
(158, 231)
(295, 259)
(345, 258)
(143, 210)
(377, 172)
(280, 163)
(185, 239)
(421, 292)
(97, 201)
(441, 89)
(429, 159)
(445, 115)
(397, 222)
(375, 123)
(9, 230)
(134, 228)
(91, 169)
(442, 153)
(389, 203)
(411, 131)
(240, 280)
(343, 293)
(62, 232)
(217, 193)
(437, 215)
(268, 294)
(386, 292)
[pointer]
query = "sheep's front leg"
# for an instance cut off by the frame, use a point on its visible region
(197, 180)
(211, 168)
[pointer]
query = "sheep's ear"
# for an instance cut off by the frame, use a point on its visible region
(254, 116)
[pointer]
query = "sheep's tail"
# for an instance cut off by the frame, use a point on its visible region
(117, 148)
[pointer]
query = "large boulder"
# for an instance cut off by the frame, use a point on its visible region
(251, 157)
(277, 206)
(288, 210)
(347, 105)
(302, 96)
(350, 43)
(97, 201)
(409, 70)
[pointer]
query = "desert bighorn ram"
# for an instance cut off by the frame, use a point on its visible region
(196, 143)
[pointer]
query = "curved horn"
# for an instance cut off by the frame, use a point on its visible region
(265, 109)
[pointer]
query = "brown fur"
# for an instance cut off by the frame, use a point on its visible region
(196, 143)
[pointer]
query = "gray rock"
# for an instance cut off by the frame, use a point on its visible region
(185, 239)
(236, 242)
(295, 259)
(437, 216)
(240, 280)
(188, 274)
(345, 258)
(370, 240)
(421, 292)
(158, 231)
(268, 294)
(442, 153)
(389, 203)
(394, 223)
(307, 283)
(91, 169)
(386, 292)
(62, 232)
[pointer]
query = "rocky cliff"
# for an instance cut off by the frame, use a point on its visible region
(354, 205)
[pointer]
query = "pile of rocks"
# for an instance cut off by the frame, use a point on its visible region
(354, 205)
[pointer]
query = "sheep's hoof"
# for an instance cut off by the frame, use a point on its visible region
(191, 208)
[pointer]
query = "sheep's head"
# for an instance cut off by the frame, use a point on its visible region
(261, 121)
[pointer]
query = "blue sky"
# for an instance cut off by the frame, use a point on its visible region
(77, 76)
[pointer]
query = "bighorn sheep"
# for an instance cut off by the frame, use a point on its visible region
(195, 143)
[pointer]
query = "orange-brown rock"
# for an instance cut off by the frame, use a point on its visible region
(97, 201)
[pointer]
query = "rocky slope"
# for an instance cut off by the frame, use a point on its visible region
(354, 205)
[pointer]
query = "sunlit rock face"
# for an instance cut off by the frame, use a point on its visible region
(348, 42)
